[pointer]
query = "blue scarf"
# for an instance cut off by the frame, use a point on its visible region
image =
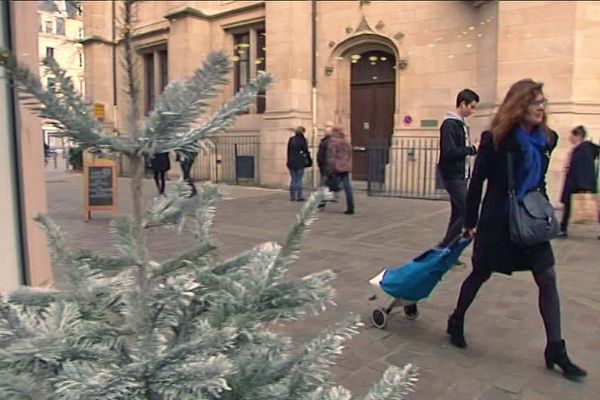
(533, 147)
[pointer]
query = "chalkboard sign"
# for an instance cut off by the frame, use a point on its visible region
(100, 182)
(100, 186)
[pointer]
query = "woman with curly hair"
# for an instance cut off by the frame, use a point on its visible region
(519, 129)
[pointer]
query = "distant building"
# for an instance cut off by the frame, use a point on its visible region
(60, 29)
(383, 70)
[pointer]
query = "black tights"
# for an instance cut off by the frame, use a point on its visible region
(548, 300)
(159, 178)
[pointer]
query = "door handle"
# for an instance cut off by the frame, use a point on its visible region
(359, 148)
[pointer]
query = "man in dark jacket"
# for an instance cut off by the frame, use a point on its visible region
(454, 165)
(322, 151)
(581, 173)
(322, 160)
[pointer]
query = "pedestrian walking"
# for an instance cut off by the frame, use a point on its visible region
(326, 180)
(454, 164)
(519, 138)
(339, 165)
(160, 164)
(582, 173)
(454, 167)
(298, 158)
(186, 160)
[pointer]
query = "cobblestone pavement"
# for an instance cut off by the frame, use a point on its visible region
(504, 360)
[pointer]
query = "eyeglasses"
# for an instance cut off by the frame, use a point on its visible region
(537, 103)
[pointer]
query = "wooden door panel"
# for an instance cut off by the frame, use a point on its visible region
(362, 124)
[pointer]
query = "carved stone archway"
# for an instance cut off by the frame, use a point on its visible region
(338, 70)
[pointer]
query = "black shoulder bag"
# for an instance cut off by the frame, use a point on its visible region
(530, 221)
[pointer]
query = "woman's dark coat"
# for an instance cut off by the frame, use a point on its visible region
(493, 250)
(296, 150)
(160, 162)
(581, 176)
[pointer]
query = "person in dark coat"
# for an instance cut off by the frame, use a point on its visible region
(327, 179)
(454, 165)
(160, 164)
(455, 168)
(298, 158)
(520, 128)
(186, 160)
(581, 173)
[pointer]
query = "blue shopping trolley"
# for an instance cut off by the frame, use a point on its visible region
(415, 280)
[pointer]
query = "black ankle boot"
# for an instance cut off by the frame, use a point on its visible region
(556, 353)
(456, 331)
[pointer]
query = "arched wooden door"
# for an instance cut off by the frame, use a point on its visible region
(372, 102)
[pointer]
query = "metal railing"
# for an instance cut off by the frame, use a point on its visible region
(406, 167)
(229, 159)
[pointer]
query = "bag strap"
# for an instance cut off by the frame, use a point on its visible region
(511, 173)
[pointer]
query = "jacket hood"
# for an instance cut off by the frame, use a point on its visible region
(451, 115)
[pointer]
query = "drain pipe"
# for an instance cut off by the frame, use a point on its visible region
(315, 129)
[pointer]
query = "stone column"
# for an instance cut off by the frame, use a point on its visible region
(536, 40)
(30, 152)
(289, 97)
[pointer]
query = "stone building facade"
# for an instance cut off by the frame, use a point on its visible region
(380, 69)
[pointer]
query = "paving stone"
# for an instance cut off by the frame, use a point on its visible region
(380, 366)
(509, 383)
(529, 394)
(498, 394)
(362, 378)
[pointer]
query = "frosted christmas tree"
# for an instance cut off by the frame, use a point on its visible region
(127, 327)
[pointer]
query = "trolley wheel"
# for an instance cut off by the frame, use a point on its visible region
(411, 311)
(379, 318)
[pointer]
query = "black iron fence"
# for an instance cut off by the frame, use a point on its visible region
(229, 159)
(405, 167)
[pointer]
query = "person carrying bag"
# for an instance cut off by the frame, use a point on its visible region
(298, 158)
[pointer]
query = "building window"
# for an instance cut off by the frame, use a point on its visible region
(156, 76)
(149, 81)
(60, 26)
(81, 33)
(164, 69)
(80, 56)
(241, 57)
(261, 67)
(250, 59)
(50, 52)
(48, 26)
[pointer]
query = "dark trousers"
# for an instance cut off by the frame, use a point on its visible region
(566, 214)
(457, 189)
(186, 168)
(339, 179)
(297, 174)
(159, 179)
(345, 181)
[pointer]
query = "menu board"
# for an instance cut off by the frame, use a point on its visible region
(100, 183)
(100, 186)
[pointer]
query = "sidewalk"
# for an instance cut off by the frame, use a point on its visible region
(506, 338)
